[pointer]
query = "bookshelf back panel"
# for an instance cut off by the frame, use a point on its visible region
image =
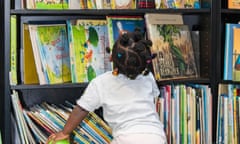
(31, 97)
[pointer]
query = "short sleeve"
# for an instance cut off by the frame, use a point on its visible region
(156, 91)
(90, 100)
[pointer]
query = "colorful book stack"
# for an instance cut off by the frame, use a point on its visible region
(186, 112)
(38, 122)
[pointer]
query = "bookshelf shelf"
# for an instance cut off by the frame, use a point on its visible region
(108, 12)
(230, 11)
(55, 86)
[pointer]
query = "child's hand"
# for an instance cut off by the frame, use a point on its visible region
(56, 137)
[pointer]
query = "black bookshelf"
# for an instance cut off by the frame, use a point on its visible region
(2, 68)
(205, 18)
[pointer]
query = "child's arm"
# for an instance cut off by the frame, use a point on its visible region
(77, 115)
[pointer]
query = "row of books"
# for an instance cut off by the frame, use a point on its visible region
(186, 112)
(108, 4)
(74, 50)
(232, 52)
(39, 121)
(228, 114)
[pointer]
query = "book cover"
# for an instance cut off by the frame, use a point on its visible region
(88, 40)
(194, 4)
(52, 44)
(117, 25)
(29, 71)
(175, 55)
(228, 51)
(13, 51)
(41, 72)
(74, 4)
(236, 54)
(123, 4)
(161, 4)
(47, 4)
(233, 4)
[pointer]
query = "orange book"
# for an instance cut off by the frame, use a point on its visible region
(234, 4)
(236, 54)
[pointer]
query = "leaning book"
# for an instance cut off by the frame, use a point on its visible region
(49, 42)
(88, 39)
(173, 46)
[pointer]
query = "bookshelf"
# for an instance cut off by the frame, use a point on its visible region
(224, 15)
(204, 18)
(2, 68)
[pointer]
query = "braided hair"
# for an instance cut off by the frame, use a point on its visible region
(131, 54)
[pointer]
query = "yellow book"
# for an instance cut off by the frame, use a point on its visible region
(29, 68)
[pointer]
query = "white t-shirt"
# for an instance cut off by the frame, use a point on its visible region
(128, 105)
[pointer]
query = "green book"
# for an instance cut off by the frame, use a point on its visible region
(13, 49)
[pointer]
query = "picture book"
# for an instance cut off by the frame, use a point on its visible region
(175, 55)
(195, 4)
(52, 44)
(161, 4)
(233, 4)
(41, 72)
(236, 54)
(117, 25)
(88, 40)
(145, 4)
(79, 4)
(13, 51)
(47, 4)
(29, 73)
(228, 51)
(173, 45)
(123, 4)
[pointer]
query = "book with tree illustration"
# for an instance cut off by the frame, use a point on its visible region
(52, 45)
(120, 24)
(173, 46)
(88, 40)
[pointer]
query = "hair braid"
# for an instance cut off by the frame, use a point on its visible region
(131, 54)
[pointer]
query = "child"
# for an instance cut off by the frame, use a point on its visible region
(126, 96)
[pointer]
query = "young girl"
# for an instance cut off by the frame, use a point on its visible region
(126, 95)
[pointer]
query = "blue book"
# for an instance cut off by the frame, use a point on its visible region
(118, 25)
(228, 63)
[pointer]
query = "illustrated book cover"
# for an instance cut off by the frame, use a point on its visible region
(233, 4)
(123, 4)
(47, 4)
(173, 45)
(194, 4)
(117, 25)
(88, 39)
(236, 54)
(52, 45)
(228, 51)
